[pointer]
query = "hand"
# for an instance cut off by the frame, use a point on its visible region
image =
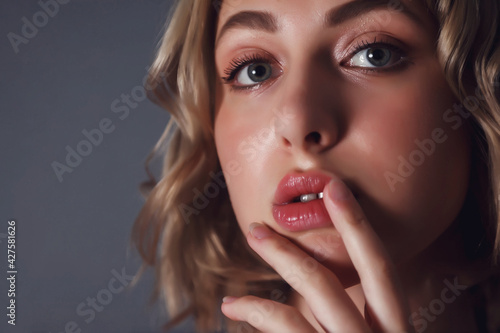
(321, 289)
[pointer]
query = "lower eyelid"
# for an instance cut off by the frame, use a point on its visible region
(401, 65)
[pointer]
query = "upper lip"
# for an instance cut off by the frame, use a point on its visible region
(295, 184)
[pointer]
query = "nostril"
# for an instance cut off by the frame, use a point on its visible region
(313, 137)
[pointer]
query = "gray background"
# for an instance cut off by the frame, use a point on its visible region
(72, 234)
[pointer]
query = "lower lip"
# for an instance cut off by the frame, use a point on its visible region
(301, 216)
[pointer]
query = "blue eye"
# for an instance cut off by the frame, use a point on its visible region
(251, 71)
(254, 73)
(373, 57)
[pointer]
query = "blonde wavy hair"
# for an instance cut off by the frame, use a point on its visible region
(195, 243)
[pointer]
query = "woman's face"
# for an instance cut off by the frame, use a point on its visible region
(308, 90)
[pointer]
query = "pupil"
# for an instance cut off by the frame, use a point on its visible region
(259, 72)
(379, 57)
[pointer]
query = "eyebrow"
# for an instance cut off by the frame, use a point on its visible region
(267, 22)
(256, 20)
(351, 10)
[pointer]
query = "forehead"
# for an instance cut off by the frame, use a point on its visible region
(228, 6)
(280, 13)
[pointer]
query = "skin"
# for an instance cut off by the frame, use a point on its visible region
(322, 110)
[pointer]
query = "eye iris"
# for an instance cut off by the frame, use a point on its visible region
(259, 72)
(379, 57)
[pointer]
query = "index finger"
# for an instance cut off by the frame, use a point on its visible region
(378, 275)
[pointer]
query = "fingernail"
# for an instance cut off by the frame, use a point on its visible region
(229, 299)
(260, 231)
(338, 190)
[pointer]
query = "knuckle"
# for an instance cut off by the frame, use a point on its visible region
(359, 218)
(321, 278)
(258, 311)
(283, 245)
(382, 268)
(288, 315)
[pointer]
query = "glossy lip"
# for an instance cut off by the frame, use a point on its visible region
(300, 216)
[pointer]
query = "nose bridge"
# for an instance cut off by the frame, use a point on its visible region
(309, 103)
(296, 94)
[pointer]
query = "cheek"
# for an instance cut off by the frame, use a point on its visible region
(244, 143)
(418, 175)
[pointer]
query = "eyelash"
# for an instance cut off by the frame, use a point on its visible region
(364, 45)
(238, 64)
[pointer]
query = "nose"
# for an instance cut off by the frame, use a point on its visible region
(309, 104)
